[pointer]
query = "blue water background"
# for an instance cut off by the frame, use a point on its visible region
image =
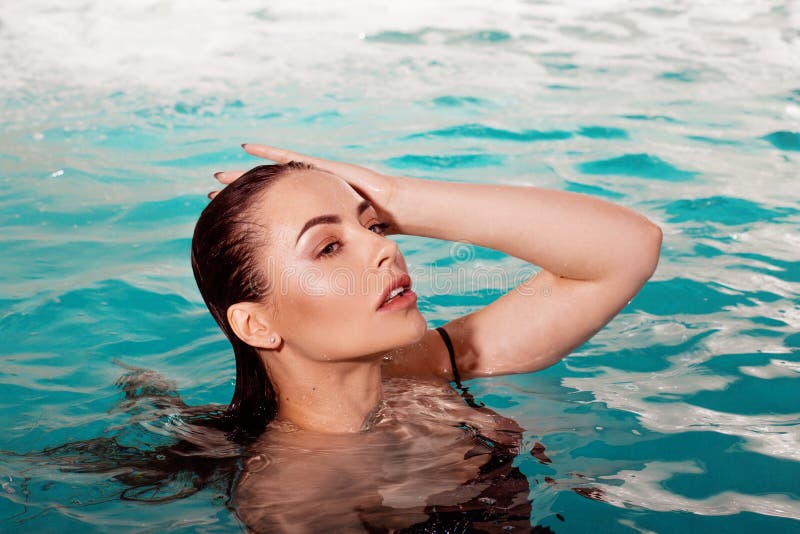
(685, 409)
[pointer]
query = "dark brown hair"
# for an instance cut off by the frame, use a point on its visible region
(227, 270)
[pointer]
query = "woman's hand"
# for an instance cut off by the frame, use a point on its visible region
(378, 188)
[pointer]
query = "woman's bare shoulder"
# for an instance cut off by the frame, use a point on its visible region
(426, 358)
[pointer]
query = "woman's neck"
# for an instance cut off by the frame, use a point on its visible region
(330, 397)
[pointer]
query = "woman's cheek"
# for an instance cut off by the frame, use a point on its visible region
(319, 293)
(311, 281)
(342, 282)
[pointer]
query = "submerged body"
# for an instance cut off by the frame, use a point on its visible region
(424, 459)
(295, 263)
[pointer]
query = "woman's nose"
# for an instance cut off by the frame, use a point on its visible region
(386, 252)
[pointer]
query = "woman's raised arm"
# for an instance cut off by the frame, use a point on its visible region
(594, 255)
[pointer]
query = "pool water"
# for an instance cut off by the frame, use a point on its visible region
(683, 411)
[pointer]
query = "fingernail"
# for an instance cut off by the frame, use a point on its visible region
(244, 146)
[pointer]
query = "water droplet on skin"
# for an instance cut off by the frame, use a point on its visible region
(257, 463)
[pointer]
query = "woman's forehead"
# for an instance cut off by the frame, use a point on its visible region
(290, 202)
(310, 190)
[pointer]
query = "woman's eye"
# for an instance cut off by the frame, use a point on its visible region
(334, 247)
(330, 249)
(379, 228)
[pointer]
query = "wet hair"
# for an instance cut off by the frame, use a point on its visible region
(227, 269)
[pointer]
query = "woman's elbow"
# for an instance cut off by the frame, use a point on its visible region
(649, 251)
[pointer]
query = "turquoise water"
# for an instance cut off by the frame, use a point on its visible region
(684, 410)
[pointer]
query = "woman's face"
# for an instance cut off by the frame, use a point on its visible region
(330, 266)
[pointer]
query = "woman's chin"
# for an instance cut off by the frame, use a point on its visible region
(417, 331)
(410, 331)
(422, 327)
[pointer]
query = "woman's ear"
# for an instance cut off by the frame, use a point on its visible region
(250, 322)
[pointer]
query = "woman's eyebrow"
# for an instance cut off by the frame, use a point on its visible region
(363, 206)
(331, 219)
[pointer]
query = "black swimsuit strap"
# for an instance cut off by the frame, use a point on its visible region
(465, 394)
(449, 344)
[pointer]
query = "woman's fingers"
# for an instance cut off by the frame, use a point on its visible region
(281, 155)
(212, 194)
(278, 155)
(226, 177)
(372, 185)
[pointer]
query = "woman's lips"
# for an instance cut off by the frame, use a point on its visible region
(405, 300)
(401, 281)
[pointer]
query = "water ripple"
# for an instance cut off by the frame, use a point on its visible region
(724, 210)
(784, 140)
(603, 132)
(452, 101)
(640, 165)
(454, 161)
(479, 131)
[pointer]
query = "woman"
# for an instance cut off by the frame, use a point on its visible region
(295, 264)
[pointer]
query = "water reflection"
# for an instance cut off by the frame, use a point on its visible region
(427, 463)
(646, 488)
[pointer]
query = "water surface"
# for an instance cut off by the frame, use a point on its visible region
(683, 410)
